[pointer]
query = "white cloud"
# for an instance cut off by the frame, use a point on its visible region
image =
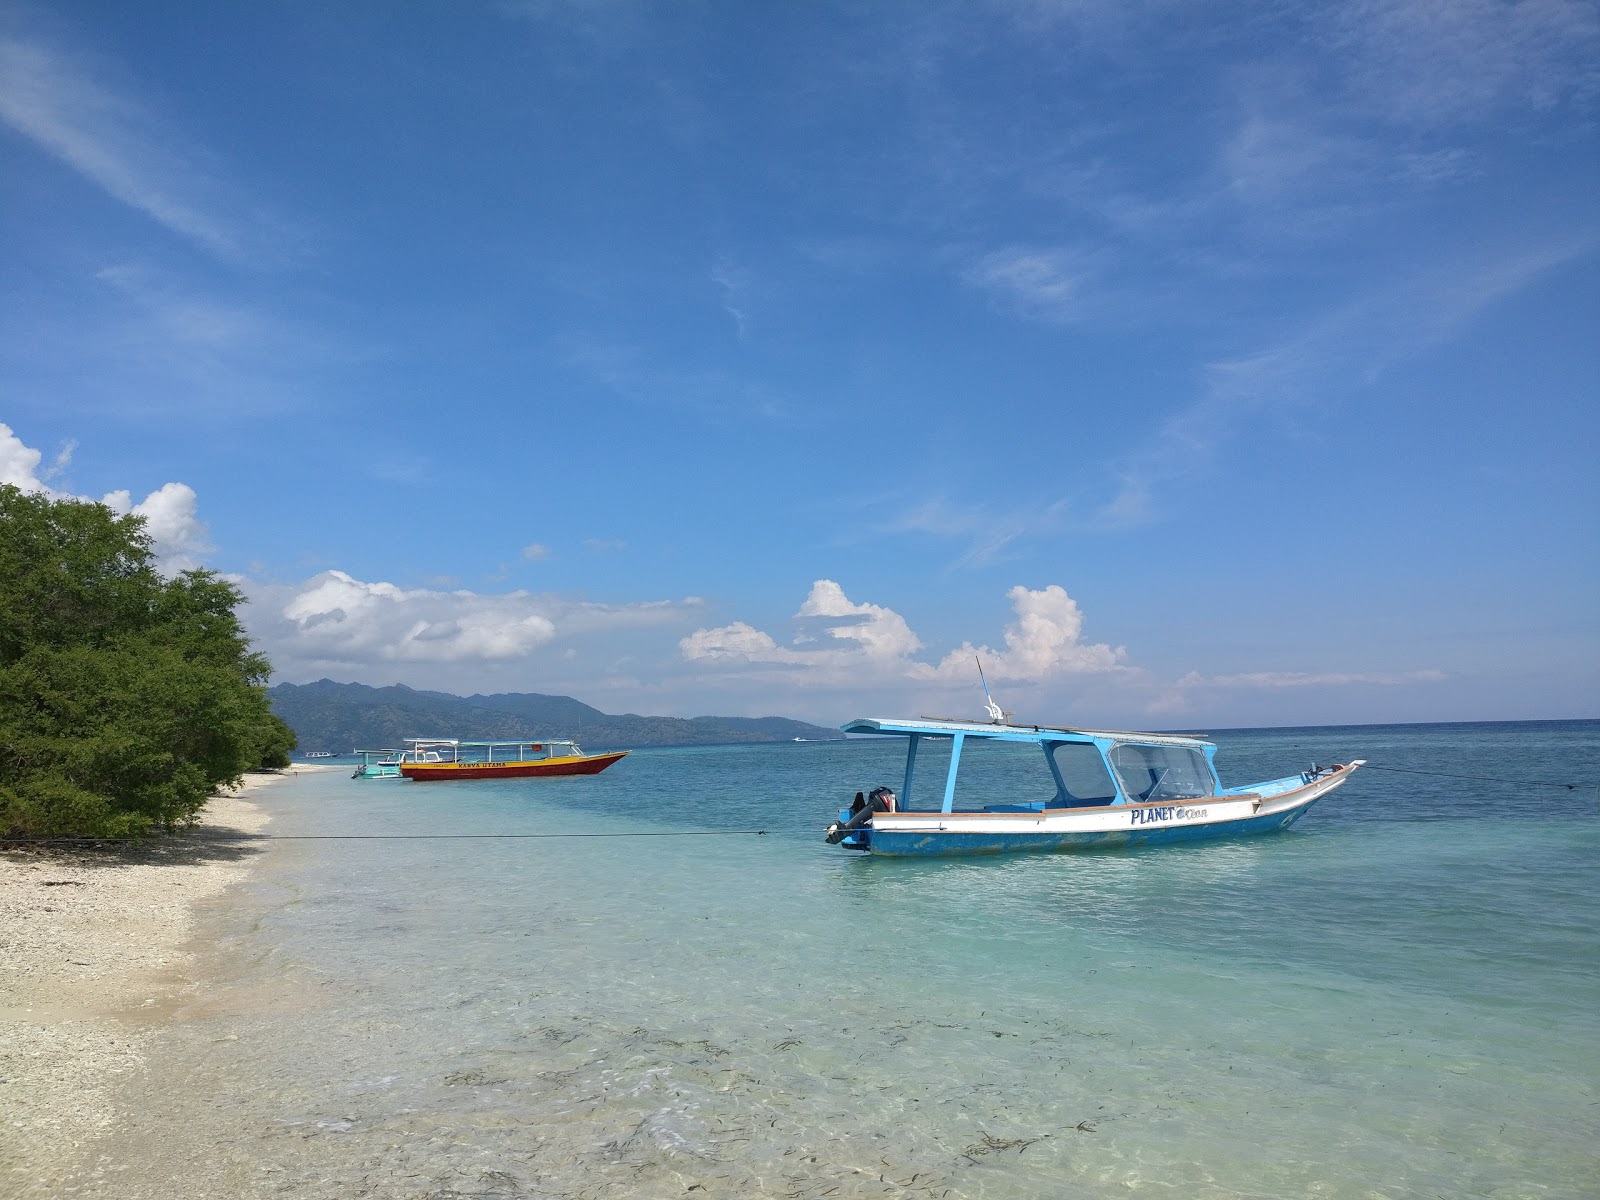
(343, 617)
(171, 512)
(736, 642)
(535, 551)
(336, 622)
(1042, 643)
(870, 644)
(19, 464)
(171, 517)
(880, 633)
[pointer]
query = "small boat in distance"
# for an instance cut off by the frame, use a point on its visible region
(319, 754)
(427, 759)
(1096, 788)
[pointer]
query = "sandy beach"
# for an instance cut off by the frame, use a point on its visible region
(94, 954)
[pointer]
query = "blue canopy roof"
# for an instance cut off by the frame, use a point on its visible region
(946, 727)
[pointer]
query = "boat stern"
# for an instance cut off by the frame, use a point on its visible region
(859, 838)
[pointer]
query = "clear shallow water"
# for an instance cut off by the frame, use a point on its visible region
(1398, 997)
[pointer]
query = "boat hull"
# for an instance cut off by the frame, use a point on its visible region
(589, 764)
(918, 834)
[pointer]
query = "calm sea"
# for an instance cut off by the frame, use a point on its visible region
(1399, 997)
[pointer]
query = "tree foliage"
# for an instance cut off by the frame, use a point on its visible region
(125, 698)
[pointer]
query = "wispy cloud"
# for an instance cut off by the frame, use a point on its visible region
(1362, 339)
(62, 104)
(1046, 283)
(1274, 680)
(1196, 692)
(733, 282)
(989, 534)
(1425, 63)
(138, 338)
(712, 394)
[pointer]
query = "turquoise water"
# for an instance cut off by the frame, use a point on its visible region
(1398, 997)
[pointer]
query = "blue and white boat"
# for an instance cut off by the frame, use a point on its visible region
(1089, 788)
(379, 764)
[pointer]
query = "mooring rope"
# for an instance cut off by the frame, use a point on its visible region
(382, 837)
(437, 837)
(1571, 787)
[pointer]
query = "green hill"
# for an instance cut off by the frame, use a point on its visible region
(340, 716)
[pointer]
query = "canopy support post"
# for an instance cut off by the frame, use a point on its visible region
(950, 779)
(911, 765)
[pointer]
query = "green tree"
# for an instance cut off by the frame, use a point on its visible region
(126, 699)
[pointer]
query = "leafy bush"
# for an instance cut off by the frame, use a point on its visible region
(125, 698)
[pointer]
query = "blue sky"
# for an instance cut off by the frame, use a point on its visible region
(1196, 365)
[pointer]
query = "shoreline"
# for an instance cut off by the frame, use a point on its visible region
(94, 956)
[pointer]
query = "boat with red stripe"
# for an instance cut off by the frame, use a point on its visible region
(438, 759)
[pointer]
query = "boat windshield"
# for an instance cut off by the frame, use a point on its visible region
(1083, 774)
(1161, 772)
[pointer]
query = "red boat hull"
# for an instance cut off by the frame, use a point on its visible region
(590, 764)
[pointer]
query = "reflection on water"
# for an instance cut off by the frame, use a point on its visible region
(1398, 997)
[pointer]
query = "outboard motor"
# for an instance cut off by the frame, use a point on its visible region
(853, 825)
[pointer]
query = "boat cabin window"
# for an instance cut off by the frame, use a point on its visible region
(1084, 774)
(1161, 772)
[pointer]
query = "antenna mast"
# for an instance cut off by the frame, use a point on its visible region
(995, 713)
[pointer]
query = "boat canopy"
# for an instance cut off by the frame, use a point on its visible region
(1082, 763)
(948, 727)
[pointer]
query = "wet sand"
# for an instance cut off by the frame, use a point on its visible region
(94, 955)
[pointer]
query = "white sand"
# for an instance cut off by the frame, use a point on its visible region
(92, 958)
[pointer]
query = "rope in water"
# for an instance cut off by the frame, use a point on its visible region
(395, 837)
(1571, 787)
(436, 837)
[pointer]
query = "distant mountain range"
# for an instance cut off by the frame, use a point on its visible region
(340, 716)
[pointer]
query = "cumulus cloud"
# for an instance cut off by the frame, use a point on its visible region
(336, 622)
(534, 551)
(171, 517)
(345, 617)
(171, 512)
(1045, 641)
(839, 641)
(19, 463)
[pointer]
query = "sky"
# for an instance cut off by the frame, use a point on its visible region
(1192, 366)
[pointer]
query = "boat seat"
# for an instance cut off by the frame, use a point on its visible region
(1036, 806)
